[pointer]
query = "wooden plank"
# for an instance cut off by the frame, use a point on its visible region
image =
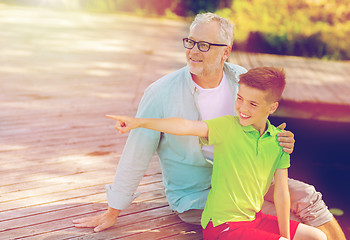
(153, 227)
(63, 220)
(70, 168)
(54, 197)
(174, 231)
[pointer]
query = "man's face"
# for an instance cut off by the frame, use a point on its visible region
(252, 107)
(204, 63)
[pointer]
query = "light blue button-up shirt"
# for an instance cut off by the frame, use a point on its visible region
(186, 173)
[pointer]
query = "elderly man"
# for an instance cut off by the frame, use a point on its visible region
(206, 88)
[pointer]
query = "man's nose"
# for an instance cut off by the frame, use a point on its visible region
(195, 48)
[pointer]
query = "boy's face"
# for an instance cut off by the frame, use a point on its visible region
(253, 108)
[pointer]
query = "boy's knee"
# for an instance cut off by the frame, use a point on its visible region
(319, 235)
(305, 232)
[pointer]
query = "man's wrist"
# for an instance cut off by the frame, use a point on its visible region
(112, 212)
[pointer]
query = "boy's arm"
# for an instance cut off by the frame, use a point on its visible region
(282, 201)
(175, 126)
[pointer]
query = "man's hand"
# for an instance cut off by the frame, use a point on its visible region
(99, 222)
(286, 139)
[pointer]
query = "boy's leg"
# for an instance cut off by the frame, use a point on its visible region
(238, 230)
(269, 223)
(305, 232)
(264, 227)
(307, 204)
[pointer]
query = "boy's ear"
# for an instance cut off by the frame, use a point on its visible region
(273, 107)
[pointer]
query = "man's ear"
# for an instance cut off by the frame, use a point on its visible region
(227, 53)
(273, 107)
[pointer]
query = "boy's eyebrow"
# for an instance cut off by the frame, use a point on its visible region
(254, 102)
(248, 99)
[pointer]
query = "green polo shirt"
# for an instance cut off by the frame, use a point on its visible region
(244, 165)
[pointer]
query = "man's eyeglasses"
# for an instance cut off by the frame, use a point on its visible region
(202, 46)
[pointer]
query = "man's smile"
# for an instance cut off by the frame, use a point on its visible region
(195, 60)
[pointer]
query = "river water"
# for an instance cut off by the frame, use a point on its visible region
(321, 158)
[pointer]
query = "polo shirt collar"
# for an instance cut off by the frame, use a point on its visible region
(271, 130)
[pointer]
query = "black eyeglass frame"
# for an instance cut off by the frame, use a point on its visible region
(210, 44)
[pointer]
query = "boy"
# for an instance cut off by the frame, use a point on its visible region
(246, 158)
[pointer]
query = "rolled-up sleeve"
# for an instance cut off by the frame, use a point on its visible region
(137, 154)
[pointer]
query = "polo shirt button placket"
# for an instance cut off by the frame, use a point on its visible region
(260, 143)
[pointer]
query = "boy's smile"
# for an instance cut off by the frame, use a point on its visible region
(253, 108)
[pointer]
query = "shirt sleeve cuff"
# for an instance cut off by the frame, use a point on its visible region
(119, 200)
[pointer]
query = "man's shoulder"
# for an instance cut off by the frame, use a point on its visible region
(235, 69)
(170, 79)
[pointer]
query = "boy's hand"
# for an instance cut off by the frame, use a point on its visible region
(125, 123)
(286, 139)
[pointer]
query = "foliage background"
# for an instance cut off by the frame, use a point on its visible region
(309, 28)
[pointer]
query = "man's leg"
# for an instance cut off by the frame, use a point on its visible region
(192, 216)
(308, 206)
(332, 230)
(269, 208)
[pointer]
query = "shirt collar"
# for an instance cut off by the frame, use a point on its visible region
(271, 130)
(229, 72)
(189, 80)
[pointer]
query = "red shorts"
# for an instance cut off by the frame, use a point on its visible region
(264, 227)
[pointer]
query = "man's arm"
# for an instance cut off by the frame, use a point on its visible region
(175, 126)
(286, 139)
(130, 170)
(137, 154)
(282, 201)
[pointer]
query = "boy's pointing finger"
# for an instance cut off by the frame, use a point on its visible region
(113, 117)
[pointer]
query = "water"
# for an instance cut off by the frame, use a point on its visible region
(321, 157)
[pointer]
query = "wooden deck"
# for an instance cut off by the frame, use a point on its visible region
(60, 73)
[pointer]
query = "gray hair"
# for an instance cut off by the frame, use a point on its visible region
(226, 27)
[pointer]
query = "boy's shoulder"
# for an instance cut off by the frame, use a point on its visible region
(225, 118)
(226, 122)
(273, 130)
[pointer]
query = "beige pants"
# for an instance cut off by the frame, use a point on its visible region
(307, 206)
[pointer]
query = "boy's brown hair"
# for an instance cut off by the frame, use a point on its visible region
(269, 79)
